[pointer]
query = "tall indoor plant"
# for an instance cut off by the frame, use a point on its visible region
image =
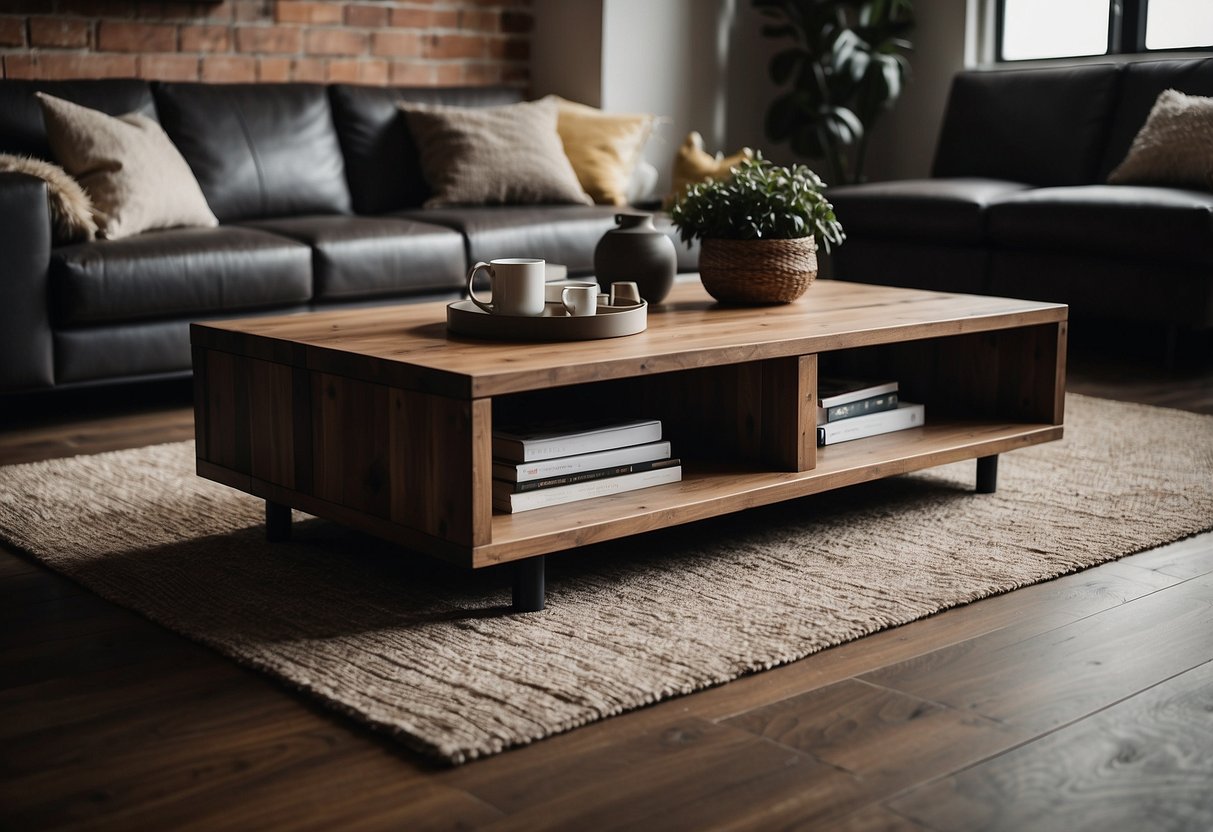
(846, 66)
(759, 229)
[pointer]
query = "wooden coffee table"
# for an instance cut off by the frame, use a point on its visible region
(378, 419)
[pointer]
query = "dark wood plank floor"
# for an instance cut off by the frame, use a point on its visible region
(1082, 703)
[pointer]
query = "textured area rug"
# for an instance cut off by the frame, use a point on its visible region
(432, 654)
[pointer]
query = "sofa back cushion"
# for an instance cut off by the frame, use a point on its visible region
(1042, 127)
(381, 158)
(22, 131)
(1139, 89)
(258, 150)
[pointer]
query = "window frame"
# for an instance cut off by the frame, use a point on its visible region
(1126, 34)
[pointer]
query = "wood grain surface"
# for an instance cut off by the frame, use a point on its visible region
(108, 722)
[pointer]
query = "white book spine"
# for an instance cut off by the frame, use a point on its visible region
(527, 471)
(906, 415)
(530, 449)
(558, 495)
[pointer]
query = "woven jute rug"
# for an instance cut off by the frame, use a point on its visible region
(432, 654)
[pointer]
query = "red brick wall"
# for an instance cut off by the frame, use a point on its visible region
(399, 42)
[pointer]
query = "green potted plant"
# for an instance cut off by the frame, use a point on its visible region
(844, 67)
(759, 231)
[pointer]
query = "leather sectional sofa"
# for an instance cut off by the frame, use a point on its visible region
(1017, 205)
(317, 190)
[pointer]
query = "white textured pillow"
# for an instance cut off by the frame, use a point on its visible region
(136, 177)
(71, 209)
(1174, 146)
(493, 155)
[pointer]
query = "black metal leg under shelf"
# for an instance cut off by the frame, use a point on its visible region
(277, 522)
(528, 584)
(987, 474)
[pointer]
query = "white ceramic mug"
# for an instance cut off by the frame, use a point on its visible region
(580, 300)
(517, 286)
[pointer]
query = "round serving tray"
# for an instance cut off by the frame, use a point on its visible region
(465, 318)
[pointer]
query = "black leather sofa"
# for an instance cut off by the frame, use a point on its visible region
(318, 192)
(1016, 204)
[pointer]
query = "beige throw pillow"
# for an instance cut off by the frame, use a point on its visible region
(137, 179)
(603, 148)
(493, 155)
(70, 208)
(1174, 146)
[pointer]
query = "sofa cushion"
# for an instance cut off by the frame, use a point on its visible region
(136, 177)
(381, 161)
(176, 273)
(1175, 147)
(564, 234)
(1039, 126)
(258, 150)
(136, 350)
(602, 147)
(509, 155)
(1164, 223)
(920, 209)
(1139, 90)
(366, 257)
(22, 130)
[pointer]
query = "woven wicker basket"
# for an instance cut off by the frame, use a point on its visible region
(757, 271)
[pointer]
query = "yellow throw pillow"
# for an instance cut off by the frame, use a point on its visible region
(693, 164)
(1174, 147)
(603, 148)
(134, 174)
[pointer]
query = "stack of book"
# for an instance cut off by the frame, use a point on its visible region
(852, 409)
(561, 464)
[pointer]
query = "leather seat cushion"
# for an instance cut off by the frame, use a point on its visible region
(366, 257)
(381, 159)
(920, 209)
(176, 273)
(565, 234)
(258, 150)
(1163, 223)
(132, 350)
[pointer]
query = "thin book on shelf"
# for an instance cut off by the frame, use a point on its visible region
(549, 441)
(906, 415)
(568, 465)
(872, 404)
(832, 392)
(543, 497)
(506, 487)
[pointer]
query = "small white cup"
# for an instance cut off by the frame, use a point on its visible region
(553, 289)
(580, 300)
(517, 286)
(625, 293)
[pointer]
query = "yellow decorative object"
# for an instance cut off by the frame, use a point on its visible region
(602, 147)
(694, 164)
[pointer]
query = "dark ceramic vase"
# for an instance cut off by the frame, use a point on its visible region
(638, 252)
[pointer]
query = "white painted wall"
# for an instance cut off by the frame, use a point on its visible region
(903, 144)
(702, 65)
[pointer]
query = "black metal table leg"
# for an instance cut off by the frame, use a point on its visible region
(528, 584)
(277, 522)
(987, 474)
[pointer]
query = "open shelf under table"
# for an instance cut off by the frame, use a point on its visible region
(708, 490)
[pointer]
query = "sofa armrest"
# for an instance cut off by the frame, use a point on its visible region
(26, 359)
